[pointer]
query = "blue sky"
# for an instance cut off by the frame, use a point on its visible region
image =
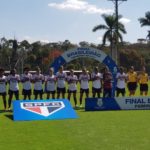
(58, 20)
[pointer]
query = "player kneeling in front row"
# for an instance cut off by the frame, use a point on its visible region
(3, 82)
(50, 81)
(26, 82)
(72, 86)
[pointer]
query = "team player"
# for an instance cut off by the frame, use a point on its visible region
(121, 82)
(38, 80)
(26, 82)
(107, 83)
(13, 80)
(84, 84)
(61, 77)
(3, 82)
(72, 86)
(143, 80)
(96, 78)
(50, 82)
(132, 81)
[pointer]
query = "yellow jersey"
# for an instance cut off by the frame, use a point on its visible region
(132, 77)
(143, 78)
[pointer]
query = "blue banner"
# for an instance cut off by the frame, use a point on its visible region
(43, 110)
(117, 103)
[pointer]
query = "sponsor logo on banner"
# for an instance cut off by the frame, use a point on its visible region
(100, 102)
(43, 108)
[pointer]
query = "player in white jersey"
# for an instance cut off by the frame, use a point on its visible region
(121, 82)
(13, 80)
(61, 77)
(38, 80)
(96, 78)
(3, 82)
(50, 82)
(84, 84)
(72, 86)
(26, 82)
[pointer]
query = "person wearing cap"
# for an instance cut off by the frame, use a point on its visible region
(132, 81)
(3, 82)
(72, 86)
(143, 81)
(96, 78)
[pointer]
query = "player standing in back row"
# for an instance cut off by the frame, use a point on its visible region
(3, 82)
(72, 86)
(96, 78)
(13, 80)
(84, 84)
(26, 82)
(61, 77)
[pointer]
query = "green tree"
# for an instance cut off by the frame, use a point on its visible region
(110, 34)
(145, 21)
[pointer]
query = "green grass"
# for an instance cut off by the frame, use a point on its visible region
(100, 130)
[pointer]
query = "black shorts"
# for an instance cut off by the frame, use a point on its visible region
(26, 92)
(50, 92)
(84, 90)
(3, 94)
(132, 86)
(36, 92)
(144, 87)
(119, 90)
(70, 91)
(61, 90)
(10, 92)
(95, 90)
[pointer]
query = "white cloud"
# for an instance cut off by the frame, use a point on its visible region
(80, 5)
(125, 20)
(32, 39)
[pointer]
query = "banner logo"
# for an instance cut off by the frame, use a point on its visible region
(43, 108)
(100, 102)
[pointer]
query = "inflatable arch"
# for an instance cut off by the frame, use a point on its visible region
(84, 52)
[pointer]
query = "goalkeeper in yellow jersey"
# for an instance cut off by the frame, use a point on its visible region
(143, 81)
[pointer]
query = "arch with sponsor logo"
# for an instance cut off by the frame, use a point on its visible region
(87, 52)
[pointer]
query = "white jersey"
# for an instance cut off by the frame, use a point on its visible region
(96, 77)
(61, 78)
(38, 81)
(121, 78)
(3, 82)
(50, 82)
(72, 82)
(26, 81)
(13, 82)
(84, 79)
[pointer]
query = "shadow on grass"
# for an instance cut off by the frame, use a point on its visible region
(9, 117)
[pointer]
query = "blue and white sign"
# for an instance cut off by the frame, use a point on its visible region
(43, 110)
(84, 52)
(121, 103)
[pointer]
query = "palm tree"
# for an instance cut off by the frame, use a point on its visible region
(111, 34)
(145, 21)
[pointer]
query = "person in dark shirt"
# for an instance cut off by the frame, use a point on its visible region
(107, 83)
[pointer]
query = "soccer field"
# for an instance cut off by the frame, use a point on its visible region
(105, 130)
